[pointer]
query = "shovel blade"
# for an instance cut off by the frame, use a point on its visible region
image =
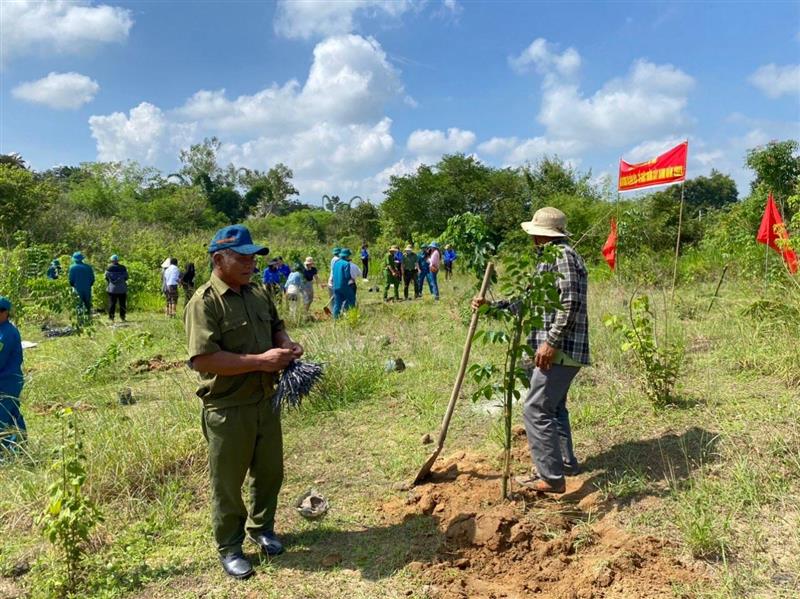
(425, 471)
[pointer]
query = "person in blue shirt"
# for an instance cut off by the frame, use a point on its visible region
(344, 287)
(12, 424)
(422, 270)
(283, 269)
(81, 278)
(54, 270)
(365, 260)
(272, 278)
(449, 257)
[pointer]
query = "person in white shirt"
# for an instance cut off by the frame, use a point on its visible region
(172, 277)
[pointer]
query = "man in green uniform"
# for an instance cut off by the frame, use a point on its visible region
(238, 344)
(392, 271)
(409, 270)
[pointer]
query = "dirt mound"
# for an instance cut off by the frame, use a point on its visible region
(155, 364)
(567, 546)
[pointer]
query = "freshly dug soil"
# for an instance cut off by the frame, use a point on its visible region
(155, 364)
(533, 546)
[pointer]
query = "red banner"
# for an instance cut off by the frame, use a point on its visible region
(668, 168)
(771, 230)
(610, 248)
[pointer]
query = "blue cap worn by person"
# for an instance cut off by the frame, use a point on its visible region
(5, 303)
(77, 256)
(114, 258)
(345, 253)
(434, 244)
(336, 251)
(236, 238)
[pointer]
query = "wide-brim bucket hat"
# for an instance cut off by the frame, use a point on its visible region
(547, 222)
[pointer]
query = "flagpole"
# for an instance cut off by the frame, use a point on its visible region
(677, 244)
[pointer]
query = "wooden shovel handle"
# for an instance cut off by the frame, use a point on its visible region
(473, 324)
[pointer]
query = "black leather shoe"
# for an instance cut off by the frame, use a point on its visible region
(269, 543)
(236, 565)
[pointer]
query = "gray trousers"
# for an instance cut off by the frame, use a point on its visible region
(547, 421)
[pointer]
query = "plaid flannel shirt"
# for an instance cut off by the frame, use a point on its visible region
(567, 329)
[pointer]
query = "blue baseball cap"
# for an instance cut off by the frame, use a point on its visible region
(77, 256)
(236, 238)
(433, 244)
(5, 303)
(114, 258)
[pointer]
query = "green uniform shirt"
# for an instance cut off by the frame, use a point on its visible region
(219, 319)
(390, 264)
(410, 261)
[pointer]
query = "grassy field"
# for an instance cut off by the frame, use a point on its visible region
(715, 478)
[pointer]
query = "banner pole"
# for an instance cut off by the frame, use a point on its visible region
(677, 244)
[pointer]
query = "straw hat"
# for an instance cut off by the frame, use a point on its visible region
(409, 248)
(547, 222)
(394, 248)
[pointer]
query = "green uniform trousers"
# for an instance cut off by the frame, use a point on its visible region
(243, 440)
(392, 280)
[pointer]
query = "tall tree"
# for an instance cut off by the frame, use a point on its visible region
(22, 196)
(268, 193)
(777, 167)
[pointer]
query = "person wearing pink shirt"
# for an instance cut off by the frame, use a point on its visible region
(434, 261)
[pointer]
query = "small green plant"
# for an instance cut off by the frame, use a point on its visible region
(70, 514)
(660, 361)
(532, 293)
(107, 358)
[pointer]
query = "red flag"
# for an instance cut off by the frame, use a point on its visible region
(610, 248)
(772, 228)
(669, 167)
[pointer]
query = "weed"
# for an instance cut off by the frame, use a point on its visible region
(705, 529)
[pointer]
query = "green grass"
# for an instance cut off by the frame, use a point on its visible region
(717, 474)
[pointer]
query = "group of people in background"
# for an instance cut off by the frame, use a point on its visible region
(417, 268)
(411, 268)
(295, 283)
(81, 278)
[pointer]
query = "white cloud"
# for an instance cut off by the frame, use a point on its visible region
(709, 159)
(312, 18)
(541, 55)
(144, 135)
(58, 90)
(650, 101)
(331, 130)
(350, 81)
(515, 152)
(60, 26)
(775, 81)
(432, 144)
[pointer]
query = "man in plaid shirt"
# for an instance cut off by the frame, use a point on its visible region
(562, 347)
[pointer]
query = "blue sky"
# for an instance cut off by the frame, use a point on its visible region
(348, 93)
